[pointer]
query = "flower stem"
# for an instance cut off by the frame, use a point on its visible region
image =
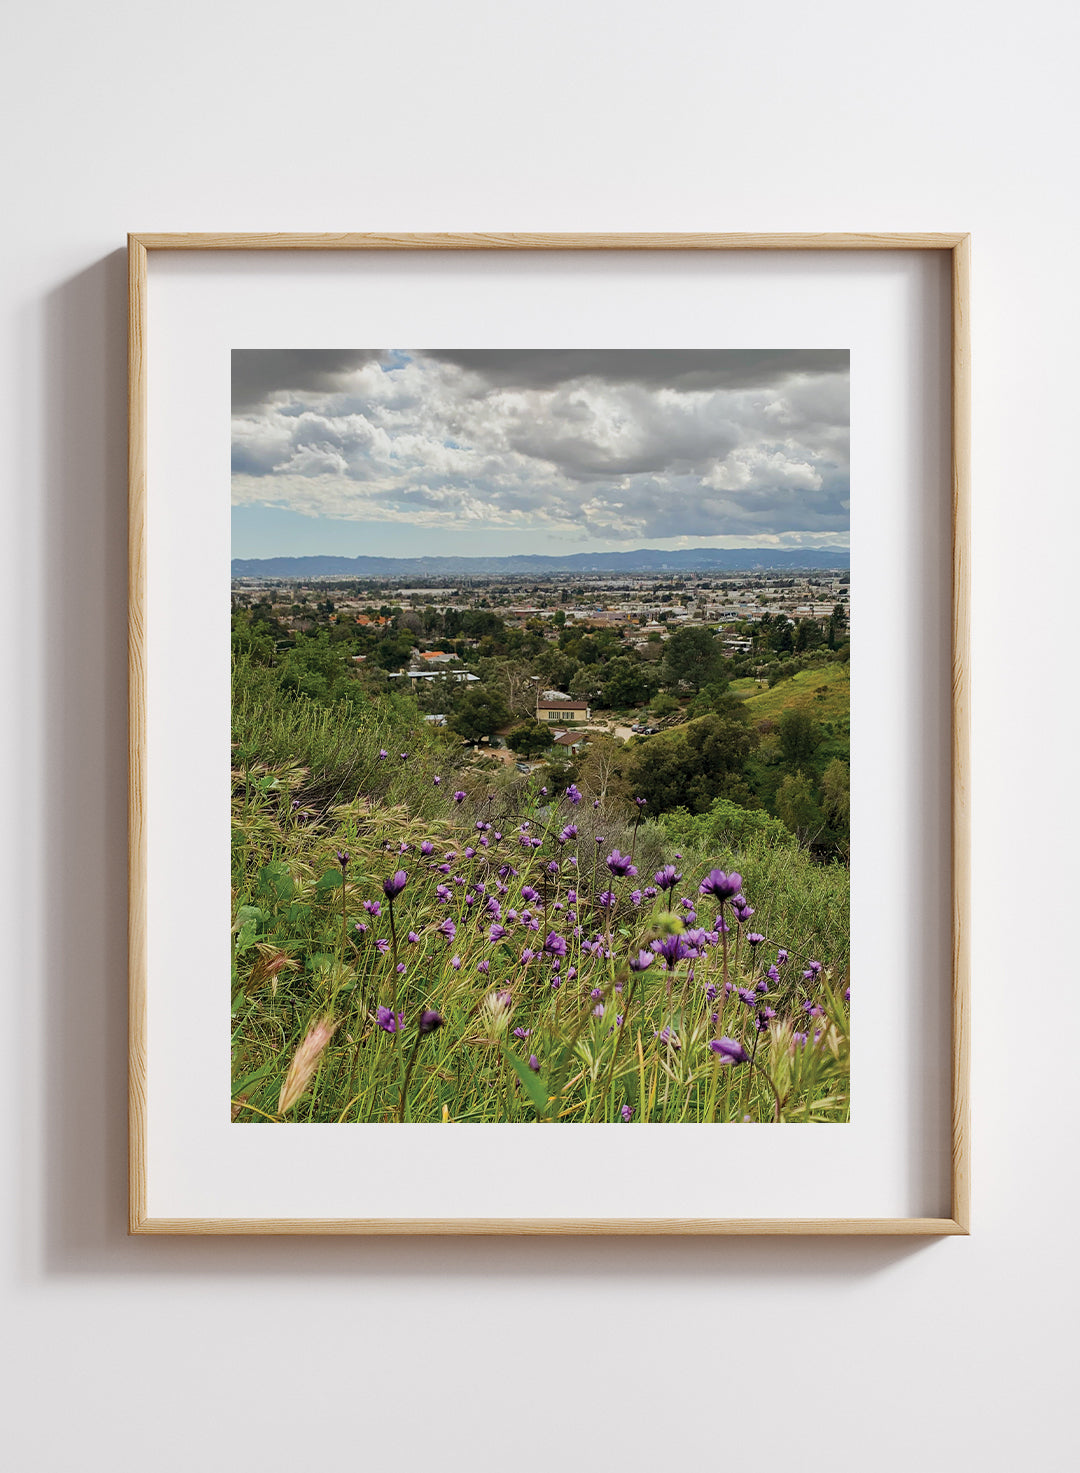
(408, 1080)
(393, 956)
(750, 1067)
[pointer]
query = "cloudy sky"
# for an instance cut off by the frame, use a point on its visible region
(414, 453)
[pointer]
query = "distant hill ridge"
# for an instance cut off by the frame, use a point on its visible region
(644, 560)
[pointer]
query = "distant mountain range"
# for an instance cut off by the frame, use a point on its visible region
(645, 560)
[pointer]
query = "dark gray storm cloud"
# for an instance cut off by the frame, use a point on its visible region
(258, 373)
(654, 368)
(582, 444)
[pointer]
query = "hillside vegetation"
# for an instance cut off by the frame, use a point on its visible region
(420, 935)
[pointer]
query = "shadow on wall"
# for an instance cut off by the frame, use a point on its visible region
(76, 1167)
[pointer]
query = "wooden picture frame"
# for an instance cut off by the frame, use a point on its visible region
(957, 247)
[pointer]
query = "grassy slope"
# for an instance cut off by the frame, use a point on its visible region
(825, 693)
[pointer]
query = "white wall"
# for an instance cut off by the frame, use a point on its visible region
(566, 114)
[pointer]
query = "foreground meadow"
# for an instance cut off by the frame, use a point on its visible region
(416, 940)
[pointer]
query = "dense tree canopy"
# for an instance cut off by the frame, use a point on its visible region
(692, 658)
(479, 712)
(694, 764)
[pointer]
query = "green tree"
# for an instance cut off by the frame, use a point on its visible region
(318, 669)
(663, 705)
(726, 826)
(693, 658)
(781, 639)
(694, 764)
(625, 683)
(392, 651)
(798, 808)
(252, 638)
(530, 741)
(714, 699)
(807, 635)
(478, 713)
(837, 627)
(836, 794)
(586, 682)
(800, 736)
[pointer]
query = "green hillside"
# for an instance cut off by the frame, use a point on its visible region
(824, 693)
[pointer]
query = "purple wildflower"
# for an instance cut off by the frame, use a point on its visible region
(667, 878)
(372, 907)
(723, 886)
(447, 929)
(394, 884)
(342, 857)
(730, 1050)
(671, 948)
(389, 1022)
(554, 944)
(534, 1064)
(429, 1021)
(627, 1114)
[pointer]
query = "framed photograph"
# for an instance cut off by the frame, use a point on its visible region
(549, 674)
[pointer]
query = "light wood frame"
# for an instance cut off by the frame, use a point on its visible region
(958, 246)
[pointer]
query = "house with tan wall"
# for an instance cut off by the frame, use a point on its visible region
(563, 713)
